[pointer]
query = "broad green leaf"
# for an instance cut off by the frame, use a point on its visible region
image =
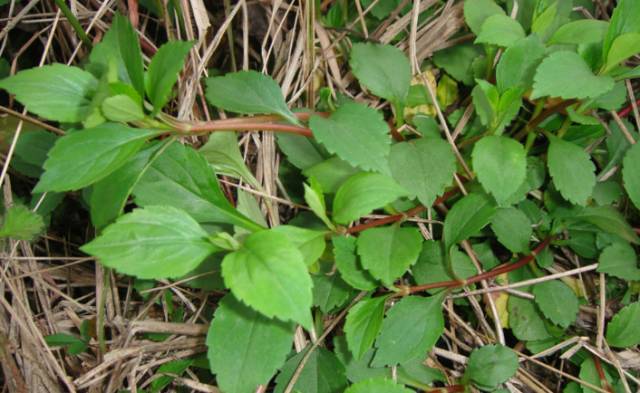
(55, 92)
(358, 369)
(513, 229)
(322, 373)
(121, 108)
(387, 252)
(129, 47)
(433, 266)
(549, 15)
(424, 167)
(83, 157)
(572, 171)
(623, 47)
(566, 75)
(181, 177)
(518, 63)
(382, 8)
(383, 69)
(491, 365)
(163, 71)
(331, 173)
(631, 174)
(582, 31)
(622, 331)
(363, 324)
(20, 223)
(467, 217)
(303, 153)
(155, 242)
(500, 30)
(357, 134)
(223, 153)
(315, 200)
(485, 100)
(525, 320)
(625, 19)
(377, 385)
(590, 374)
(411, 328)
(249, 93)
(476, 13)
(109, 195)
(350, 268)
(245, 349)
(362, 194)
(330, 291)
(619, 260)
(457, 61)
(268, 273)
(607, 219)
(557, 302)
(416, 374)
(31, 150)
(501, 165)
(309, 242)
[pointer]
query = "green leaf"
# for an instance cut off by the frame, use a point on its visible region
(309, 242)
(315, 199)
(351, 270)
(90, 155)
(383, 69)
(500, 30)
(268, 273)
(631, 174)
(566, 75)
(424, 167)
(129, 48)
(513, 229)
(55, 92)
(625, 19)
(501, 165)
(476, 13)
(74, 345)
(518, 63)
(121, 108)
(590, 374)
(619, 260)
(623, 47)
(330, 291)
(331, 173)
(322, 373)
(582, 31)
(357, 134)
(387, 252)
(169, 369)
(572, 171)
(363, 324)
(557, 302)
(155, 242)
(163, 71)
(525, 320)
(432, 266)
(223, 153)
(245, 349)
(181, 177)
(360, 369)
(31, 150)
(382, 8)
(457, 61)
(20, 223)
(303, 153)
(362, 194)
(607, 219)
(622, 331)
(467, 217)
(411, 328)
(377, 385)
(491, 365)
(249, 93)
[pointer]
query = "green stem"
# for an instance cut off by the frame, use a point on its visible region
(75, 23)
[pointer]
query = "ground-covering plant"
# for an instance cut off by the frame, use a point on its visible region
(495, 192)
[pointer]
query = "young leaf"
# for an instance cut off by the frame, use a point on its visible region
(310, 243)
(344, 250)
(566, 75)
(357, 134)
(623, 47)
(619, 260)
(500, 30)
(163, 71)
(121, 108)
(322, 373)
(181, 177)
(411, 328)
(155, 242)
(518, 63)
(557, 302)
(363, 193)
(55, 92)
(582, 31)
(525, 320)
(631, 174)
(383, 69)
(491, 365)
(513, 229)
(572, 171)
(20, 223)
(625, 19)
(315, 200)
(467, 217)
(90, 155)
(377, 385)
(245, 349)
(222, 152)
(129, 48)
(249, 93)
(363, 324)
(501, 165)
(476, 13)
(387, 252)
(268, 273)
(424, 167)
(622, 331)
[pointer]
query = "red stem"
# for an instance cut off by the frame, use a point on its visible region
(625, 112)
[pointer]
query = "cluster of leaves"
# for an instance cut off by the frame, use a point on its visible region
(553, 64)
